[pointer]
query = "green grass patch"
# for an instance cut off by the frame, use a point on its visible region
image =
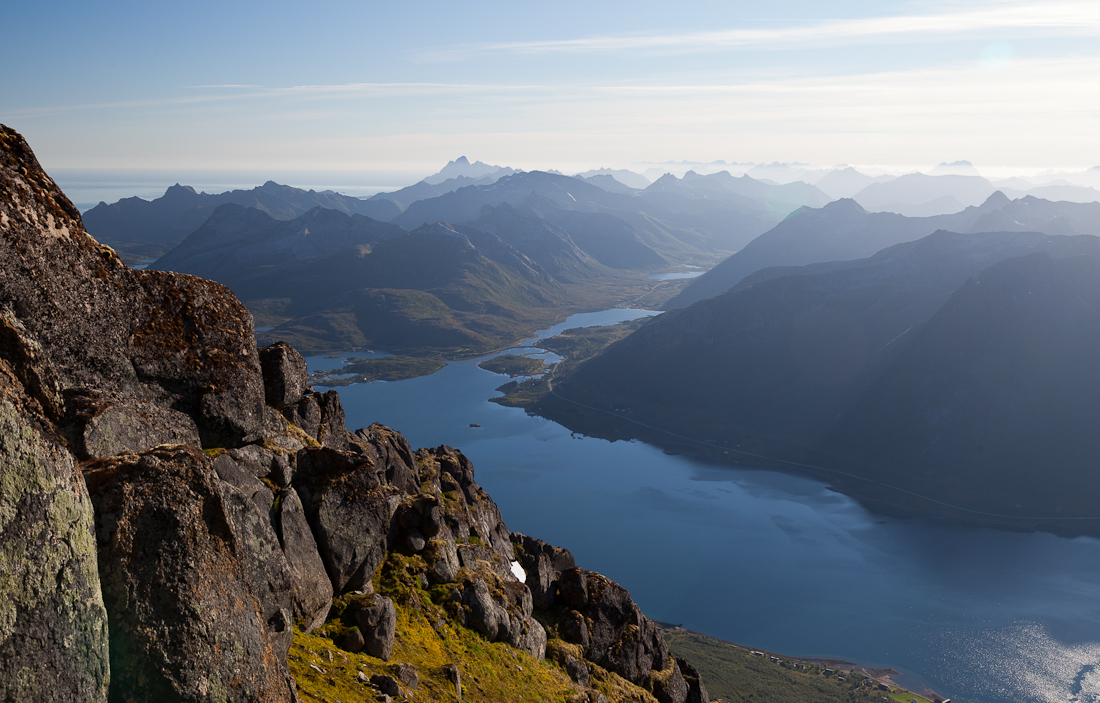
(514, 365)
(735, 673)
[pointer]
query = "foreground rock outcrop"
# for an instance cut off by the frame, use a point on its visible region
(175, 503)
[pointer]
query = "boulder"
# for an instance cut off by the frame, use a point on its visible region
(406, 674)
(577, 670)
(285, 374)
(454, 675)
(530, 637)
(386, 684)
(194, 349)
(378, 623)
(573, 588)
(347, 511)
(599, 614)
(188, 580)
(543, 564)
(101, 424)
(249, 505)
(486, 615)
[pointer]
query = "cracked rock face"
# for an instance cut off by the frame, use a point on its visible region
(196, 590)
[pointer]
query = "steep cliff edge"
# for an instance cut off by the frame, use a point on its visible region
(179, 511)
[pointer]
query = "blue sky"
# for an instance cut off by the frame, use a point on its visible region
(569, 85)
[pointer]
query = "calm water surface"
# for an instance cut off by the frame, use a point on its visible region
(770, 560)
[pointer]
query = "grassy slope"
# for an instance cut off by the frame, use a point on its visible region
(429, 638)
(734, 673)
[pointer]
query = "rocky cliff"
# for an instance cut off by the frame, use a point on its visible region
(178, 508)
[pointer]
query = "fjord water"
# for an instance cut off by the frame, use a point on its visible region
(771, 560)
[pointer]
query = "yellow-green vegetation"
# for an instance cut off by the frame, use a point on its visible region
(490, 671)
(393, 368)
(907, 697)
(735, 673)
(429, 640)
(514, 365)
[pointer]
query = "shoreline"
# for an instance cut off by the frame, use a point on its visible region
(880, 676)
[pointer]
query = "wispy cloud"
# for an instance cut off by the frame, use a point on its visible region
(1076, 16)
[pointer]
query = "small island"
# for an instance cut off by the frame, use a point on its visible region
(391, 368)
(514, 365)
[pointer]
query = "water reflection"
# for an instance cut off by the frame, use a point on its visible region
(773, 560)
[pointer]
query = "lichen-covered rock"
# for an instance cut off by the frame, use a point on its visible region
(263, 463)
(101, 424)
(53, 625)
(442, 560)
(600, 615)
(668, 686)
(391, 453)
(347, 509)
(174, 340)
(193, 347)
(285, 374)
(472, 520)
(182, 561)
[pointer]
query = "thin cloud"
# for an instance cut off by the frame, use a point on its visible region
(1069, 15)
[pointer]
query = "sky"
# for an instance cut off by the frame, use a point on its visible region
(1013, 87)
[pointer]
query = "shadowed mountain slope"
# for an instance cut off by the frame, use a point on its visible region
(236, 241)
(774, 361)
(843, 230)
(993, 402)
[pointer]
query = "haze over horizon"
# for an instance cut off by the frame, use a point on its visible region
(900, 86)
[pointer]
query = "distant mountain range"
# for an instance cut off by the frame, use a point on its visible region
(462, 168)
(142, 229)
(623, 176)
(844, 230)
(805, 363)
(336, 281)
